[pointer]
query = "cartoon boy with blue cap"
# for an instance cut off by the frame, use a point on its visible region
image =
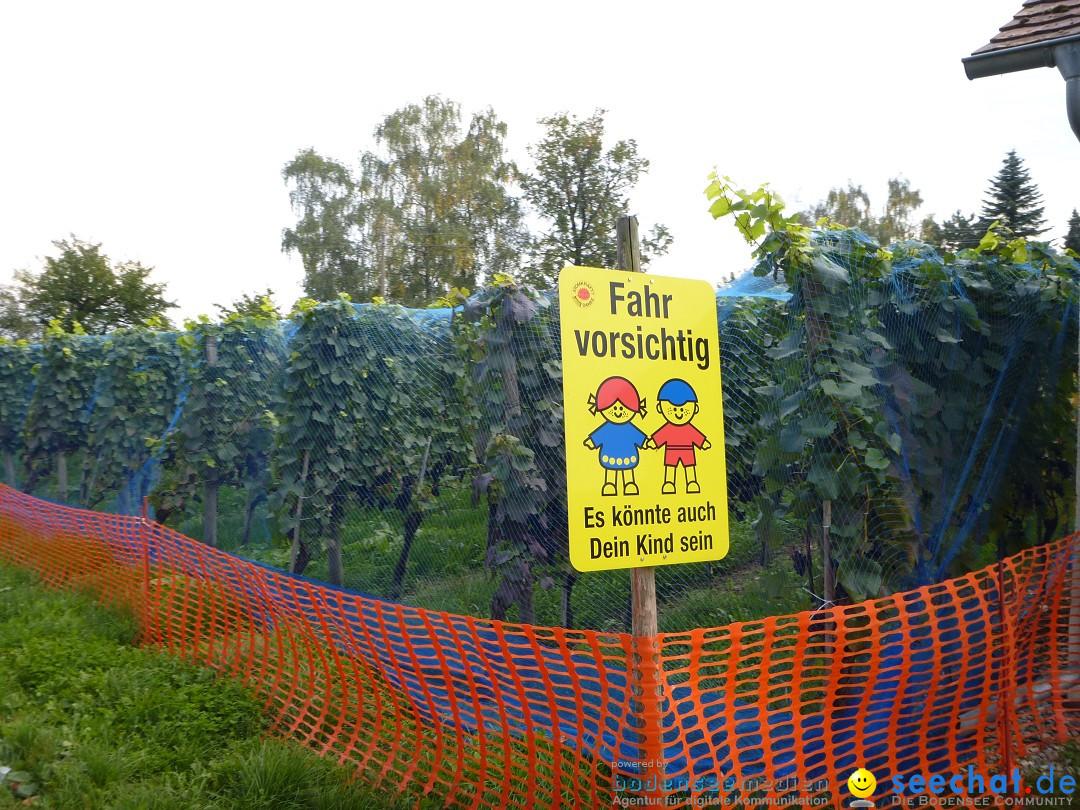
(678, 405)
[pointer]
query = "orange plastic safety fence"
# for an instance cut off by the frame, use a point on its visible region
(970, 672)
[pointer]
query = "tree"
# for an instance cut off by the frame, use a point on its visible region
(437, 208)
(433, 209)
(15, 324)
(954, 234)
(82, 286)
(322, 195)
(1013, 200)
(851, 207)
(581, 189)
(1072, 238)
(896, 224)
(253, 306)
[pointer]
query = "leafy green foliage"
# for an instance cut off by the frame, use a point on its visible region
(857, 377)
(432, 209)
(851, 207)
(506, 334)
(367, 413)
(225, 432)
(580, 188)
(136, 396)
(59, 412)
(253, 306)
(17, 361)
(746, 396)
(83, 286)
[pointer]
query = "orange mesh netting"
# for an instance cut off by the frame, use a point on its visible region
(973, 671)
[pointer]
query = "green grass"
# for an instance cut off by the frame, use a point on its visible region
(446, 569)
(1066, 762)
(232, 505)
(89, 721)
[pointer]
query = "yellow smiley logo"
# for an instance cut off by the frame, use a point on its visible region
(862, 783)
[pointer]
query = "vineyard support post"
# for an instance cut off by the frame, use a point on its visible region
(646, 659)
(144, 542)
(298, 556)
(412, 516)
(1005, 700)
(826, 554)
(210, 486)
(61, 477)
(512, 393)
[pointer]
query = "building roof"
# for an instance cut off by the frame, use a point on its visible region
(1026, 41)
(1037, 23)
(1044, 33)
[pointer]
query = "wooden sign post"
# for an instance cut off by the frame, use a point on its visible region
(642, 580)
(644, 618)
(645, 467)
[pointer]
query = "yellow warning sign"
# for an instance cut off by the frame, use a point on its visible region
(645, 475)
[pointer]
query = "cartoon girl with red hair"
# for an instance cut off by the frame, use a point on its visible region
(618, 441)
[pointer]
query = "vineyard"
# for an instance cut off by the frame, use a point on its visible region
(417, 455)
(340, 507)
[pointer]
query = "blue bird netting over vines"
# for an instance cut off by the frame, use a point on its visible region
(417, 455)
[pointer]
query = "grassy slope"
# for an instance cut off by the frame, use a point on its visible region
(446, 569)
(88, 720)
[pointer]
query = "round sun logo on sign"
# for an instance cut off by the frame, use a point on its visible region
(584, 294)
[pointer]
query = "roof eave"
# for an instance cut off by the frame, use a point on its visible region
(1011, 60)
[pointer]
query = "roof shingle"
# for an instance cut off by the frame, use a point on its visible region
(1039, 21)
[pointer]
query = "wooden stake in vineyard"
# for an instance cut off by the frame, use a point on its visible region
(210, 485)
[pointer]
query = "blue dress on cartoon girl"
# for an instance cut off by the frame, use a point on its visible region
(619, 445)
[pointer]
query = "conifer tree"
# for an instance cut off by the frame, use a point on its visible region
(959, 232)
(1014, 200)
(1072, 238)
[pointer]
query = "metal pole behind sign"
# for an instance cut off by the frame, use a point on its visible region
(647, 688)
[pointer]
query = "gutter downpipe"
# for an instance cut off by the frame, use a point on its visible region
(1067, 59)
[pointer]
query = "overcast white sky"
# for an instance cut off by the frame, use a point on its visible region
(160, 130)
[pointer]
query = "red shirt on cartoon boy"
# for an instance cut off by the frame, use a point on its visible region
(679, 442)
